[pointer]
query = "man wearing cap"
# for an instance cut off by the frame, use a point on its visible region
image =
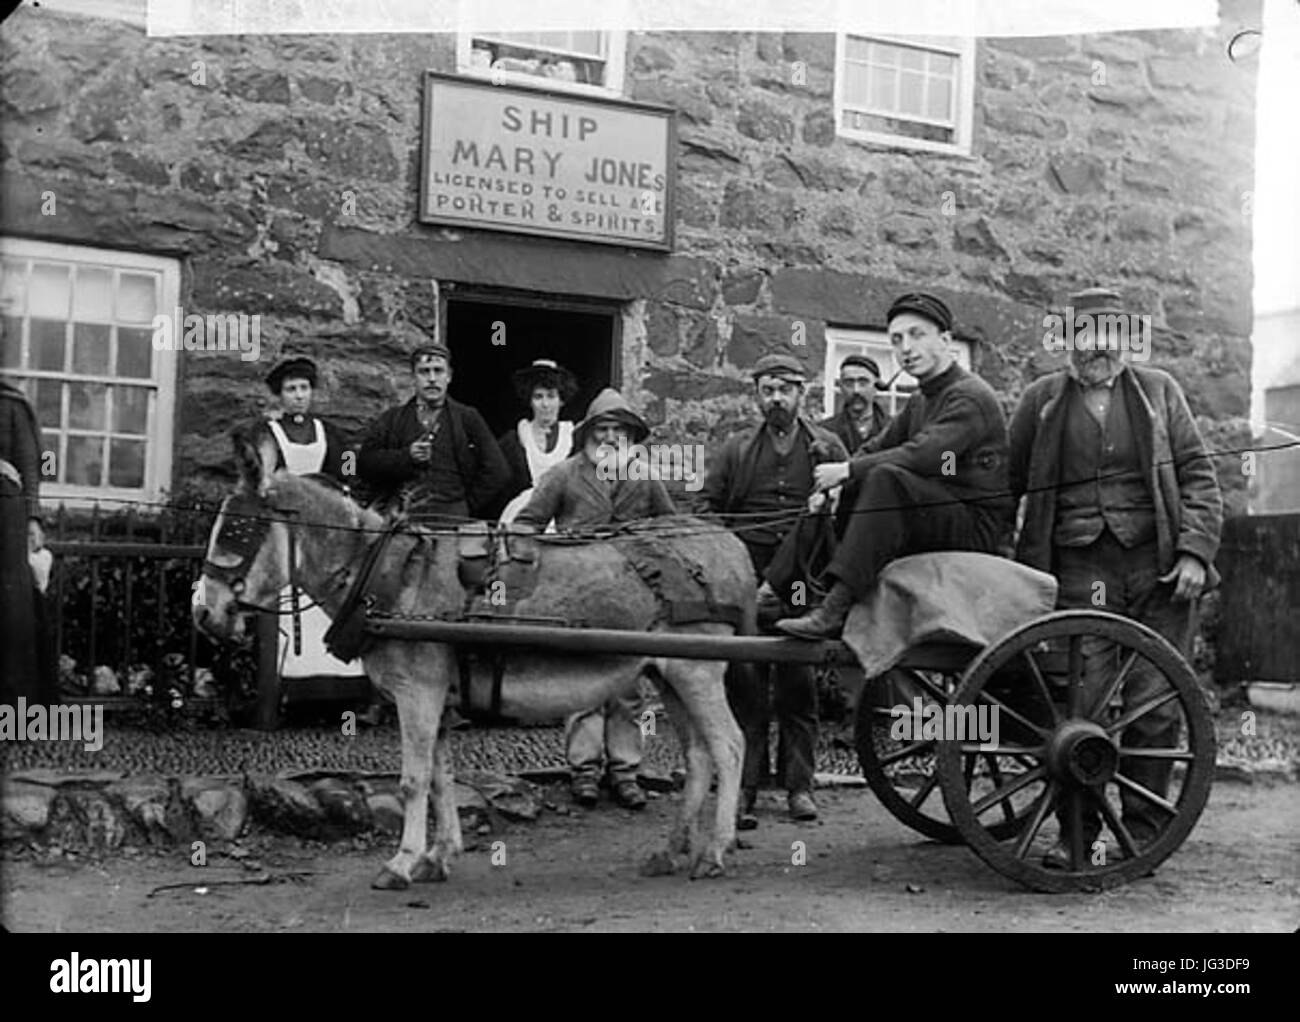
(307, 444)
(934, 479)
(860, 416)
(543, 440)
(585, 491)
(433, 456)
(1122, 504)
(759, 482)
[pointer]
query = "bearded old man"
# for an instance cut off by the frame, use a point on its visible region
(1121, 499)
(587, 490)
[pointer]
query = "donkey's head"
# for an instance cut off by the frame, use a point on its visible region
(249, 552)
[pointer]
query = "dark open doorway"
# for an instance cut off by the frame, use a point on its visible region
(583, 339)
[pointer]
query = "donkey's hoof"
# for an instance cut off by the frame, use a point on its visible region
(660, 864)
(388, 880)
(429, 870)
(707, 868)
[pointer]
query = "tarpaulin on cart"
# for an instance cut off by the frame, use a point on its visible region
(949, 596)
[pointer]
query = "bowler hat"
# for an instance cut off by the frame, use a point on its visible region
(296, 367)
(610, 405)
(545, 372)
(785, 367)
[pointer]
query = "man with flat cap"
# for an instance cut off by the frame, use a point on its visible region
(759, 483)
(1122, 504)
(433, 457)
(934, 479)
(860, 416)
(307, 444)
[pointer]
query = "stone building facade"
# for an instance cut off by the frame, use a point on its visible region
(279, 176)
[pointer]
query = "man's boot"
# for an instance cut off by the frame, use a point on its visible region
(826, 621)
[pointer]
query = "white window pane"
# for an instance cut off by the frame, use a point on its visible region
(855, 84)
(910, 86)
(911, 60)
(130, 409)
(134, 353)
(50, 291)
(943, 64)
(92, 295)
(85, 461)
(48, 344)
(135, 298)
(87, 405)
(882, 89)
(856, 48)
(90, 348)
(13, 286)
(884, 54)
(939, 101)
(126, 463)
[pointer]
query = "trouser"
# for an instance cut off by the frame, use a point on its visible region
(749, 691)
(1107, 576)
(898, 512)
(610, 733)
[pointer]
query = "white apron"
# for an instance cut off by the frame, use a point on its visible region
(314, 662)
(539, 462)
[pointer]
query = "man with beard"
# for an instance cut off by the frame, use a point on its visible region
(760, 482)
(934, 479)
(860, 416)
(1122, 501)
(589, 489)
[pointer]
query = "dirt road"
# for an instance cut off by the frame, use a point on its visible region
(1239, 871)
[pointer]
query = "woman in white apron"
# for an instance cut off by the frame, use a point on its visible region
(542, 441)
(307, 445)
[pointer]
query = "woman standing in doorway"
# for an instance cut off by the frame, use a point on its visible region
(541, 441)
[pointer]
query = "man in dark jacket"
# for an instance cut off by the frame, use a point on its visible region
(760, 482)
(860, 416)
(433, 455)
(1123, 506)
(934, 479)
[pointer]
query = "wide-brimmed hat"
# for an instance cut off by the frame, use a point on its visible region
(610, 405)
(296, 367)
(545, 372)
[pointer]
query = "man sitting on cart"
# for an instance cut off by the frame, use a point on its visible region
(934, 479)
(1123, 506)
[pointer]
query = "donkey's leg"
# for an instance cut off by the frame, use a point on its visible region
(699, 685)
(684, 835)
(447, 843)
(419, 708)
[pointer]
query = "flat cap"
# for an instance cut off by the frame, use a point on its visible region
(861, 360)
(922, 304)
(785, 367)
(1097, 301)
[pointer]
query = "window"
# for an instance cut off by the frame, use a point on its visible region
(590, 62)
(78, 337)
(842, 342)
(911, 93)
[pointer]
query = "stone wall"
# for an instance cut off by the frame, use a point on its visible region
(1121, 159)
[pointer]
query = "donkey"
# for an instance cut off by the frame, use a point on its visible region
(278, 528)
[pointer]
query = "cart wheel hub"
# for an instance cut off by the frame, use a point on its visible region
(1081, 752)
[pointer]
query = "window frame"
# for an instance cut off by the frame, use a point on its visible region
(160, 425)
(873, 342)
(960, 47)
(615, 66)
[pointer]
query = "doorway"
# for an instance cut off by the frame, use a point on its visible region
(491, 337)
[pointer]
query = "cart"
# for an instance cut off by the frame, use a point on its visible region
(1066, 746)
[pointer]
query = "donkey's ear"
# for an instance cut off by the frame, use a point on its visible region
(256, 456)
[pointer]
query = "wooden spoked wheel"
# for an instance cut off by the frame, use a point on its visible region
(898, 761)
(1119, 742)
